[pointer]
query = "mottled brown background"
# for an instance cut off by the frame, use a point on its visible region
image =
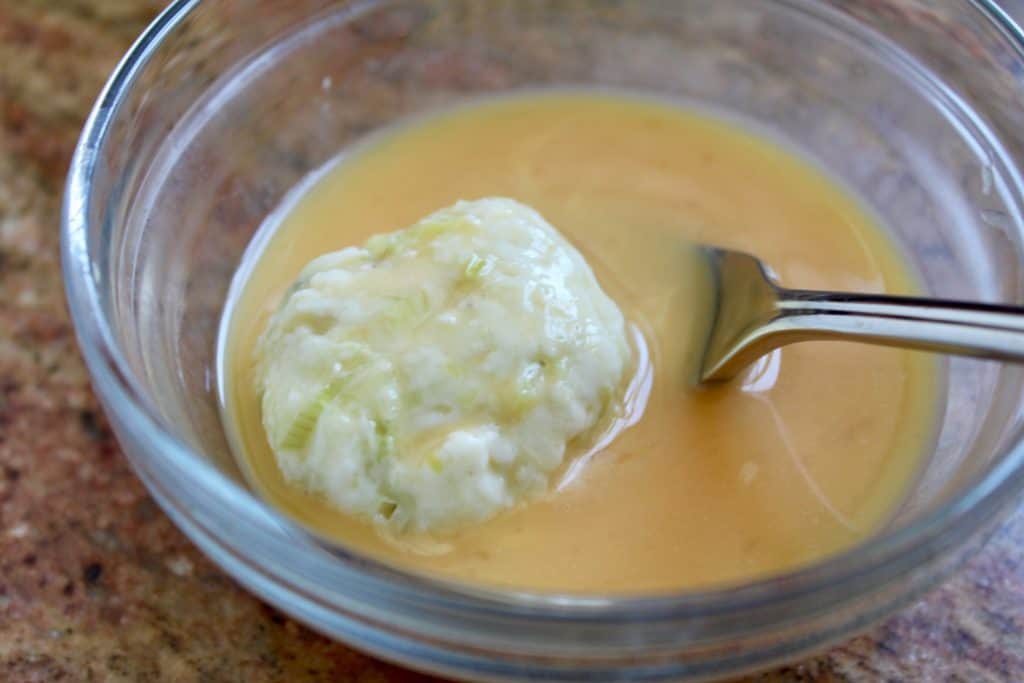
(95, 582)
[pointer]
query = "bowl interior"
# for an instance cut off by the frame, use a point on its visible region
(242, 100)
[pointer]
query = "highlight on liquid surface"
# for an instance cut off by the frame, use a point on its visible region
(803, 457)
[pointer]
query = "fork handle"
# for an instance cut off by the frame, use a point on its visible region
(963, 328)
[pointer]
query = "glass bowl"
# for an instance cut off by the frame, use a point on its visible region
(223, 105)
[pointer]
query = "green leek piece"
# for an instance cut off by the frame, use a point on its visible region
(522, 394)
(381, 246)
(385, 440)
(424, 232)
(302, 427)
(407, 311)
(477, 267)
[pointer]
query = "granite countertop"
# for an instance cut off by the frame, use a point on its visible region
(97, 584)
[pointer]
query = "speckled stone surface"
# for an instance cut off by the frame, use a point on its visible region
(97, 584)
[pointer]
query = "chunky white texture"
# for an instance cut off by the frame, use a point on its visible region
(435, 376)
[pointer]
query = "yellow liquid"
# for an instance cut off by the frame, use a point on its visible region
(799, 460)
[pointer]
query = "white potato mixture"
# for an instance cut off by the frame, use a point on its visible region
(436, 375)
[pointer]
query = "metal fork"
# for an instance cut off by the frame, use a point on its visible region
(752, 315)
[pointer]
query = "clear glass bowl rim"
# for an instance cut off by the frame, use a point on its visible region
(879, 557)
